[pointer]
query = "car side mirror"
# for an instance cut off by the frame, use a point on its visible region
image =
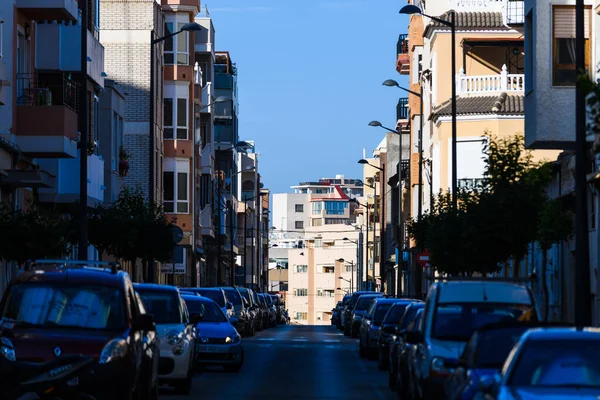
(144, 322)
(413, 337)
(488, 382)
(229, 306)
(196, 318)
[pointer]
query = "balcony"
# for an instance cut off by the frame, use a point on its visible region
(66, 189)
(58, 48)
(18, 178)
(489, 84)
(514, 12)
(205, 219)
(46, 115)
(207, 160)
(204, 39)
(403, 60)
(402, 109)
(59, 10)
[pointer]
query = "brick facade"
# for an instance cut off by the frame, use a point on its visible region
(125, 31)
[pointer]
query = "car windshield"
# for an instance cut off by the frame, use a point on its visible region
(380, 311)
(215, 295)
(457, 322)
(558, 363)
(211, 312)
(364, 302)
(233, 297)
(74, 306)
(163, 305)
(410, 314)
(394, 313)
(246, 296)
(494, 346)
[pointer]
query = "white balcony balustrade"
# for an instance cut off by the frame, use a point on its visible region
(492, 84)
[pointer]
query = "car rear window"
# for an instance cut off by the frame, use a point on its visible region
(364, 302)
(66, 305)
(214, 295)
(233, 297)
(394, 313)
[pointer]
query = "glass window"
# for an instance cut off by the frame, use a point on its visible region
(557, 363)
(317, 207)
(214, 295)
(210, 311)
(175, 118)
(329, 270)
(563, 52)
(176, 190)
(335, 207)
(380, 312)
(163, 305)
(301, 269)
(301, 292)
(394, 313)
(457, 322)
(60, 306)
(169, 191)
(364, 302)
(299, 208)
(168, 44)
(493, 347)
(176, 47)
(299, 224)
(182, 192)
(233, 297)
(182, 118)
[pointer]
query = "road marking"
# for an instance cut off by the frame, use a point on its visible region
(331, 341)
(267, 339)
(299, 340)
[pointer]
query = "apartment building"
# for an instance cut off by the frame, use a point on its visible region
(315, 240)
(549, 29)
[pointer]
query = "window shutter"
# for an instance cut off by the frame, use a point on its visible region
(564, 23)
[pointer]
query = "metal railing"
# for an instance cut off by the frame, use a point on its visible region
(402, 108)
(402, 44)
(47, 90)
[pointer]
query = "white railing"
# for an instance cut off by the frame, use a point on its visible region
(481, 84)
(205, 221)
(207, 97)
(477, 5)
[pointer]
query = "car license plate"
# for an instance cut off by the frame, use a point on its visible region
(73, 381)
(202, 348)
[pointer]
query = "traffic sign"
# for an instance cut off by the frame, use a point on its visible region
(177, 233)
(423, 259)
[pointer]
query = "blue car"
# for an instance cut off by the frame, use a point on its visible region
(217, 340)
(483, 356)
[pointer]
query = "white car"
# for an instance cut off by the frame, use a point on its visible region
(176, 334)
(454, 309)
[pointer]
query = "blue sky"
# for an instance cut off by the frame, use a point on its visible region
(309, 81)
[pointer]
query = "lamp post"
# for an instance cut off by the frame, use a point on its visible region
(189, 27)
(382, 228)
(351, 281)
(411, 9)
(357, 260)
(345, 280)
(83, 142)
(366, 256)
(392, 83)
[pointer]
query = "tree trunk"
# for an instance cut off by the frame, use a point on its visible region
(545, 285)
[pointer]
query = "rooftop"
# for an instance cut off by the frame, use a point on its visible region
(470, 20)
(503, 104)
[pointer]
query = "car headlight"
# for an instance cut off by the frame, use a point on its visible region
(174, 337)
(7, 349)
(437, 364)
(233, 340)
(115, 349)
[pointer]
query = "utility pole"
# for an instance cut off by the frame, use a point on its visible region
(219, 206)
(583, 298)
(83, 140)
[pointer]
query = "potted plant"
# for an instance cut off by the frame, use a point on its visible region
(123, 162)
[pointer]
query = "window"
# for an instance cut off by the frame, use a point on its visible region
(176, 186)
(319, 292)
(335, 207)
(316, 222)
(175, 118)
(301, 269)
(317, 207)
(299, 208)
(299, 224)
(176, 47)
(302, 315)
(318, 243)
(328, 269)
(301, 292)
(115, 143)
(329, 293)
(349, 268)
(1, 27)
(563, 52)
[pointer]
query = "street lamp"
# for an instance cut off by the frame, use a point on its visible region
(351, 280)
(411, 9)
(246, 200)
(366, 256)
(189, 27)
(393, 83)
(343, 290)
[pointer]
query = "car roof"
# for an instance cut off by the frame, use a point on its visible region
(555, 333)
(210, 289)
(155, 286)
(387, 300)
(79, 275)
(202, 299)
(483, 290)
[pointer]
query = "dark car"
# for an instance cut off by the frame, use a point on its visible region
(239, 314)
(349, 308)
(483, 356)
(251, 307)
(214, 293)
(57, 308)
(400, 380)
(259, 309)
(368, 343)
(387, 330)
(266, 312)
(360, 310)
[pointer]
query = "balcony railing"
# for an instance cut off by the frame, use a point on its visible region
(402, 108)
(469, 183)
(481, 84)
(514, 12)
(402, 45)
(47, 90)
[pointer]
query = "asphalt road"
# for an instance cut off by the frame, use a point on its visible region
(293, 363)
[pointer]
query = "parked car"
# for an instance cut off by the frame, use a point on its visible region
(387, 330)
(272, 310)
(175, 330)
(368, 342)
(240, 317)
(248, 298)
(56, 307)
(216, 294)
(347, 315)
(217, 341)
(550, 363)
(360, 309)
(454, 310)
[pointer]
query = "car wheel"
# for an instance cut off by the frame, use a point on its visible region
(235, 367)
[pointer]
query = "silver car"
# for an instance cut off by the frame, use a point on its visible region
(217, 340)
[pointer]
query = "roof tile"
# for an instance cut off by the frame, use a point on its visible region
(503, 104)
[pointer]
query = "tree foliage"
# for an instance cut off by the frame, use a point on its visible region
(495, 221)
